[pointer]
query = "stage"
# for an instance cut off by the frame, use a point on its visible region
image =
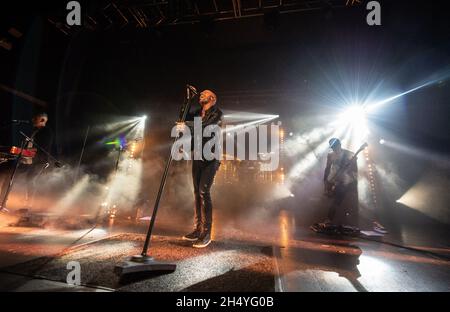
(225, 146)
(296, 259)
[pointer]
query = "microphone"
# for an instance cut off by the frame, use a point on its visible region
(192, 89)
(20, 121)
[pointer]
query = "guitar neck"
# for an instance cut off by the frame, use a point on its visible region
(343, 168)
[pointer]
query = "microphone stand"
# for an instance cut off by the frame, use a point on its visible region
(81, 155)
(143, 262)
(13, 174)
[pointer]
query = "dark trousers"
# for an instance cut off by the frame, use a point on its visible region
(342, 192)
(203, 173)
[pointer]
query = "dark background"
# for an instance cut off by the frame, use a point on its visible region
(268, 63)
(281, 64)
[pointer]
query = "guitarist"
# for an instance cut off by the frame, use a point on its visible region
(340, 177)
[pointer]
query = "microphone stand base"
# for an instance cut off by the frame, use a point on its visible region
(142, 264)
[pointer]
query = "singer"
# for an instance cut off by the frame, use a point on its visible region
(203, 172)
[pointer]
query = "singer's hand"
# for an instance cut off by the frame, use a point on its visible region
(180, 126)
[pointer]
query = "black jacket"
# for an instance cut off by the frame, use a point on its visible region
(213, 116)
(44, 138)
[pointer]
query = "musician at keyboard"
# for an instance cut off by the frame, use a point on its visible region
(33, 161)
(43, 136)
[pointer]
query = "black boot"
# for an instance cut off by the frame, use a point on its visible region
(203, 241)
(193, 236)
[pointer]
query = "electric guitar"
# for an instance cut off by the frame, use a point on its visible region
(330, 185)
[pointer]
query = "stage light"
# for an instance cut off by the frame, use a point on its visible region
(353, 123)
(244, 120)
(382, 141)
(354, 115)
(372, 267)
(440, 159)
(120, 142)
(375, 106)
(291, 134)
(125, 183)
(140, 126)
(303, 143)
(244, 117)
(429, 196)
(72, 195)
(309, 159)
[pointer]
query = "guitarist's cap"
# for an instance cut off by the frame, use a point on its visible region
(40, 114)
(334, 142)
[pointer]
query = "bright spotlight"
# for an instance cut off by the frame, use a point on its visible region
(291, 134)
(354, 114)
(382, 141)
(354, 121)
(141, 125)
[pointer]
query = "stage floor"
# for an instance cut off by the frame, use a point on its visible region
(292, 259)
(309, 261)
(223, 266)
(317, 262)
